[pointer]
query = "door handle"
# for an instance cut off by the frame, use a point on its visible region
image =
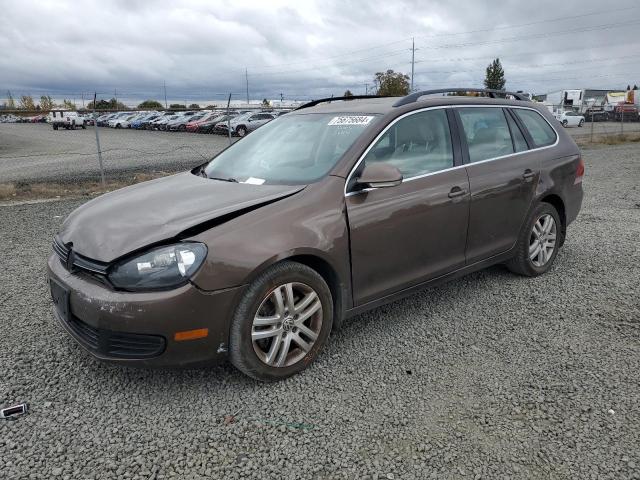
(528, 175)
(457, 192)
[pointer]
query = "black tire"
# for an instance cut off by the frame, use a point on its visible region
(84, 127)
(55, 127)
(581, 123)
(565, 123)
(521, 263)
(241, 348)
(241, 131)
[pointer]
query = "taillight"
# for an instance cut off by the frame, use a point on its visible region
(579, 171)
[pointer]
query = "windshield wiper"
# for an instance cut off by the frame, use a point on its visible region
(230, 179)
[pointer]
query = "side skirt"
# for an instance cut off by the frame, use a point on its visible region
(429, 283)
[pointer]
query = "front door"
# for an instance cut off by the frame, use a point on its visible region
(403, 235)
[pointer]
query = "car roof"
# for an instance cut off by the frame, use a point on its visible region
(385, 105)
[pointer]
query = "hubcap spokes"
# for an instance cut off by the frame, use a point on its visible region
(287, 324)
(543, 240)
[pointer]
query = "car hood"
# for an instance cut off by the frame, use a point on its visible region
(129, 219)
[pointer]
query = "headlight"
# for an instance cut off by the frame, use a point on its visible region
(160, 268)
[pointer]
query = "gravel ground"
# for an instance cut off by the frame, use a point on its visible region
(491, 376)
(37, 153)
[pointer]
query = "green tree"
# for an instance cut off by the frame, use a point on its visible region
(194, 106)
(69, 105)
(177, 106)
(495, 76)
(150, 105)
(112, 104)
(265, 103)
(394, 84)
(26, 102)
(347, 93)
(46, 102)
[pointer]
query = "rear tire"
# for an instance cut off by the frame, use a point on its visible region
(266, 332)
(533, 235)
(581, 123)
(565, 123)
(241, 131)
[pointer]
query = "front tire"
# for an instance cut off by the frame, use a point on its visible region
(565, 123)
(538, 242)
(281, 323)
(581, 123)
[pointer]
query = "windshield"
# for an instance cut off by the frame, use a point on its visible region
(293, 149)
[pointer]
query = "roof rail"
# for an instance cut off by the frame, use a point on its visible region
(413, 97)
(313, 103)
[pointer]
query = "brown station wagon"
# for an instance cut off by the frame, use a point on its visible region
(330, 210)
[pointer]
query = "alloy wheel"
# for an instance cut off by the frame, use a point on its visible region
(542, 242)
(287, 324)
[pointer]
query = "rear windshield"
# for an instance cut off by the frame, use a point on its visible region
(292, 149)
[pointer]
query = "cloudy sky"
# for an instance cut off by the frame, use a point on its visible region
(305, 49)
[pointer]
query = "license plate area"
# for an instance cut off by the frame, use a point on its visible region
(60, 297)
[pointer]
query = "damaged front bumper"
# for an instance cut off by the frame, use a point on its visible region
(139, 328)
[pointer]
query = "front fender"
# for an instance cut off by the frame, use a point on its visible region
(311, 222)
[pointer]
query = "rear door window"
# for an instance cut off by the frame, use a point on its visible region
(487, 133)
(540, 131)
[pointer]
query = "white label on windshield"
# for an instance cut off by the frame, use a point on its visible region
(254, 181)
(351, 120)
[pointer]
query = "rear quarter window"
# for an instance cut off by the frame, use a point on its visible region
(541, 132)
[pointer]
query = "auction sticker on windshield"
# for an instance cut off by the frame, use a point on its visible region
(351, 120)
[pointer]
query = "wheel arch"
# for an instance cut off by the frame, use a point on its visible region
(316, 261)
(557, 203)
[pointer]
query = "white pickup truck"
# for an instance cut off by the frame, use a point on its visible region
(65, 119)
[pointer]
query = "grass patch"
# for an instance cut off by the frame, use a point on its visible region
(22, 191)
(608, 139)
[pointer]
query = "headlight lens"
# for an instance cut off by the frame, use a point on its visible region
(160, 268)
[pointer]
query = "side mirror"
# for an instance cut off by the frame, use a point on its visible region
(379, 175)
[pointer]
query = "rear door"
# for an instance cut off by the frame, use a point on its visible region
(503, 175)
(403, 235)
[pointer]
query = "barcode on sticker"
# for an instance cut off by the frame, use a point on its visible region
(351, 120)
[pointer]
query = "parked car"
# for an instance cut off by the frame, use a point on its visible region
(148, 124)
(570, 119)
(65, 119)
(249, 122)
(194, 123)
(210, 125)
(161, 122)
(122, 121)
(147, 117)
(223, 126)
(180, 124)
(326, 212)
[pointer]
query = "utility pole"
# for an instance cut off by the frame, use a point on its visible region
(246, 78)
(115, 94)
(366, 89)
(413, 60)
(164, 84)
(82, 100)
